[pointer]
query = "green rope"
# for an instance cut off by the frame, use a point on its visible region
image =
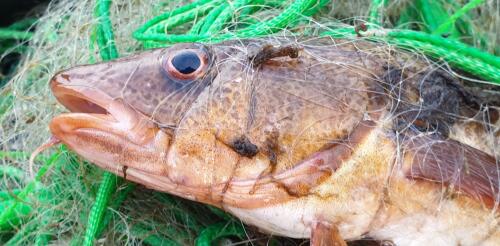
(105, 37)
(202, 26)
(458, 54)
(313, 9)
(9, 194)
(153, 34)
(225, 16)
(10, 171)
(18, 211)
(21, 234)
(6, 33)
(468, 64)
(451, 20)
(122, 195)
(97, 217)
(180, 19)
(23, 24)
(451, 45)
(182, 15)
(376, 10)
(288, 15)
(148, 236)
(106, 189)
(434, 13)
(10, 212)
(174, 18)
(216, 231)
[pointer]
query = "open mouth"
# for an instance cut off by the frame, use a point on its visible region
(111, 134)
(96, 114)
(81, 99)
(94, 108)
(76, 102)
(105, 130)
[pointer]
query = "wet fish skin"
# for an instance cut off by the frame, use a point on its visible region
(333, 135)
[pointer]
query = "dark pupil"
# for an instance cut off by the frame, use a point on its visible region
(186, 62)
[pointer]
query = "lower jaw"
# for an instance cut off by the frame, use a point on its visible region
(110, 144)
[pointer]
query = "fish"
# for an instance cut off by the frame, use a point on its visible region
(333, 140)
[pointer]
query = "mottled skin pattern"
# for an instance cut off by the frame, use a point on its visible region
(288, 144)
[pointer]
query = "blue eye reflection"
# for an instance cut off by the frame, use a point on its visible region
(186, 62)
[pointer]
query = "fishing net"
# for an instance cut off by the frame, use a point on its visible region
(64, 200)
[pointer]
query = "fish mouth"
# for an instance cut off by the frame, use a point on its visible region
(93, 109)
(106, 130)
(116, 137)
(79, 98)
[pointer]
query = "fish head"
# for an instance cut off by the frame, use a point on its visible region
(208, 123)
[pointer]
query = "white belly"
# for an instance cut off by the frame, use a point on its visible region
(446, 227)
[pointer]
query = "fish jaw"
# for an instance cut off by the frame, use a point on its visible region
(199, 163)
(117, 138)
(123, 114)
(108, 132)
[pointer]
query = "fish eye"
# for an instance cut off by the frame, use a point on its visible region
(186, 64)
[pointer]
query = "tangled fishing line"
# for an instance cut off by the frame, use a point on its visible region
(64, 202)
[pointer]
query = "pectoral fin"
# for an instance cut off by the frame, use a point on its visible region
(463, 168)
(326, 234)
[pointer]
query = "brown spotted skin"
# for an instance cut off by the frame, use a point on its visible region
(140, 81)
(310, 131)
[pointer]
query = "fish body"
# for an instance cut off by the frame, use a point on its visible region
(322, 138)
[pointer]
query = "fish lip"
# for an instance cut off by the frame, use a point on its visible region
(106, 131)
(91, 108)
(80, 99)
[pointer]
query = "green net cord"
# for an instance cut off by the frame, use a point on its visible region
(105, 37)
(441, 29)
(10, 213)
(161, 23)
(14, 34)
(122, 195)
(216, 231)
(226, 15)
(465, 52)
(153, 34)
(105, 40)
(467, 64)
(21, 235)
(202, 25)
(452, 45)
(456, 53)
(23, 24)
(376, 11)
(106, 189)
(9, 194)
(11, 172)
(290, 14)
(174, 21)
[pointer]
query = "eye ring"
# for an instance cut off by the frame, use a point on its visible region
(194, 67)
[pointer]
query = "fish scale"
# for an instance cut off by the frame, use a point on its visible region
(347, 138)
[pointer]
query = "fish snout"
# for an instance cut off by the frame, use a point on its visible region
(102, 126)
(123, 115)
